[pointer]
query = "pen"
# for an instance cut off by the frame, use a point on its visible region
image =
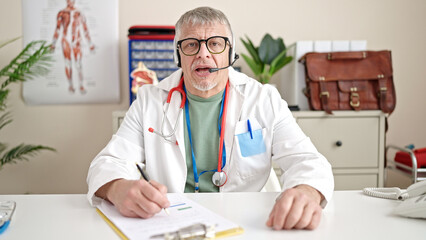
(249, 128)
(145, 176)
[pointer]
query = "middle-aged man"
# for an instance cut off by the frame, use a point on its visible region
(230, 130)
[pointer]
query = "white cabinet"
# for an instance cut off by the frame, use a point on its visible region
(353, 142)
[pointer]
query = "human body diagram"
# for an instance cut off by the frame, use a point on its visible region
(72, 24)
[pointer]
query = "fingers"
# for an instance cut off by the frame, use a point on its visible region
(295, 209)
(310, 217)
(280, 211)
(138, 198)
(156, 193)
(316, 218)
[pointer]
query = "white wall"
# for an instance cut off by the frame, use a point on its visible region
(78, 132)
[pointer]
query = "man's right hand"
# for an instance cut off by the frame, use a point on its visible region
(135, 198)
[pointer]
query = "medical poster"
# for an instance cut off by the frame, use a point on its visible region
(84, 39)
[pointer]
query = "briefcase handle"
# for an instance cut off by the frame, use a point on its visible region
(347, 55)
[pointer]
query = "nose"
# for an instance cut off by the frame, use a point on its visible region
(204, 52)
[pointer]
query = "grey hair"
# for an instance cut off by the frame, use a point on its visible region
(202, 16)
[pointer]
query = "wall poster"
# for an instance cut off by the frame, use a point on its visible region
(84, 37)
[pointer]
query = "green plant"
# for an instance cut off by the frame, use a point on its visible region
(266, 59)
(32, 61)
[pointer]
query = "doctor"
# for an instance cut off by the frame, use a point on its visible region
(230, 130)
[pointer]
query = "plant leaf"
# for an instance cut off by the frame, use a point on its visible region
(279, 62)
(253, 51)
(5, 119)
(29, 62)
(287, 60)
(3, 95)
(269, 48)
(21, 152)
(255, 67)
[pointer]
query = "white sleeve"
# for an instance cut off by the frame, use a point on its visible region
(117, 160)
(296, 155)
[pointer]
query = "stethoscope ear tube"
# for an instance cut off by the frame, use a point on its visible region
(167, 137)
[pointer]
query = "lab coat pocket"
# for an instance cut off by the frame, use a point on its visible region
(251, 143)
(251, 154)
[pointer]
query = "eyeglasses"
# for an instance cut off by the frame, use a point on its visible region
(191, 46)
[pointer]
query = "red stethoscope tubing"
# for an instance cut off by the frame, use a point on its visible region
(178, 88)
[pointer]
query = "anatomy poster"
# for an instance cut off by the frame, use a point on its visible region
(84, 39)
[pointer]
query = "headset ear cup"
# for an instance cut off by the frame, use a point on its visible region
(177, 58)
(232, 51)
(176, 55)
(231, 54)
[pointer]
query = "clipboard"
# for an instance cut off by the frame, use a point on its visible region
(187, 218)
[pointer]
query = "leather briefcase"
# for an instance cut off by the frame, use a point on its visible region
(349, 81)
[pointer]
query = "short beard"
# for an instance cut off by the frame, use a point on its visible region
(203, 86)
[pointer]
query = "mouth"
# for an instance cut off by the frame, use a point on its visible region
(202, 70)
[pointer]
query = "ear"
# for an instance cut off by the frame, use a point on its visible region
(176, 55)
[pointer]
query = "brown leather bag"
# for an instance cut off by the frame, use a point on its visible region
(349, 81)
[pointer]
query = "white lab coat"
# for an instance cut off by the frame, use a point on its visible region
(165, 162)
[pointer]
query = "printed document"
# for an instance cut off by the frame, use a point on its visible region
(183, 213)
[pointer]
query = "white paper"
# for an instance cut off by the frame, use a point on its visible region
(94, 76)
(183, 213)
(322, 46)
(358, 45)
(340, 46)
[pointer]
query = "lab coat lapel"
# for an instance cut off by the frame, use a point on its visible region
(173, 115)
(235, 103)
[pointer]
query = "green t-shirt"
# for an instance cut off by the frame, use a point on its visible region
(204, 116)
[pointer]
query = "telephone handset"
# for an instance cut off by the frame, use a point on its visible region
(417, 189)
(414, 204)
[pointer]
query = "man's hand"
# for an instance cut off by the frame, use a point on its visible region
(298, 208)
(135, 198)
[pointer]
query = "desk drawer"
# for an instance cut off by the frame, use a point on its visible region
(354, 181)
(359, 138)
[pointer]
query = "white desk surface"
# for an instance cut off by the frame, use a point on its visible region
(350, 215)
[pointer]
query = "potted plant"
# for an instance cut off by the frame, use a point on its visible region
(31, 61)
(266, 59)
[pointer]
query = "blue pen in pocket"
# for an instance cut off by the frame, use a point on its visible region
(251, 142)
(249, 128)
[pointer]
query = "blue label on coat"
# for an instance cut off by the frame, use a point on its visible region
(251, 146)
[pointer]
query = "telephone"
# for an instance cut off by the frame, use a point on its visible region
(414, 199)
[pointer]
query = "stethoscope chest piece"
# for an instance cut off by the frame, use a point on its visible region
(219, 179)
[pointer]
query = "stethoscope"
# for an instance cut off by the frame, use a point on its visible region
(179, 88)
(219, 177)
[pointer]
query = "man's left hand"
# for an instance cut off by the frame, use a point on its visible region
(298, 208)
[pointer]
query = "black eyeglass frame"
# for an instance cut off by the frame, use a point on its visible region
(179, 43)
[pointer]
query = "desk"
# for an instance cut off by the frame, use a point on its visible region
(350, 215)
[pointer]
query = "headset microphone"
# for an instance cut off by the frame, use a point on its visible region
(212, 70)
